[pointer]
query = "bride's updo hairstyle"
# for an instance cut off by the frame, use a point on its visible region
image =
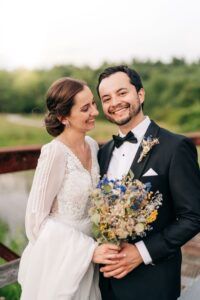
(59, 101)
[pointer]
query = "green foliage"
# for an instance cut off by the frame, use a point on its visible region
(11, 292)
(172, 90)
(3, 231)
(12, 134)
(16, 243)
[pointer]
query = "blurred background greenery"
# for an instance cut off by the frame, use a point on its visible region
(172, 90)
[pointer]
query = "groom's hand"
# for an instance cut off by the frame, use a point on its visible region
(131, 260)
(107, 254)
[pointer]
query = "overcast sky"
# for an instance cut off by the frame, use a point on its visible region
(42, 33)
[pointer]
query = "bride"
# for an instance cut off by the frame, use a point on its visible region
(58, 263)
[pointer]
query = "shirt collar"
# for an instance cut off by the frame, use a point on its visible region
(140, 129)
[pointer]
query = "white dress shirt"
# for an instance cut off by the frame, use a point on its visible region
(120, 164)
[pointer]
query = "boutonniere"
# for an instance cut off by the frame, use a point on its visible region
(147, 145)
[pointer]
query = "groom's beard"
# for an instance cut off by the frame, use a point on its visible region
(134, 110)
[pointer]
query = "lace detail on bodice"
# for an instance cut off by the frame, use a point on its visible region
(72, 199)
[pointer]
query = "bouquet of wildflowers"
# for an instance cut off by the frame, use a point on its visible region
(122, 209)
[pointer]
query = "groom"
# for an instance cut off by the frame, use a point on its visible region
(150, 269)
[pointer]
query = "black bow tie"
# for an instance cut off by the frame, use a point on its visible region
(118, 141)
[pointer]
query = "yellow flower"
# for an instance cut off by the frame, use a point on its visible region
(111, 235)
(102, 227)
(104, 209)
(152, 216)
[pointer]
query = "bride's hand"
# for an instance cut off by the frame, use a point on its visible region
(107, 254)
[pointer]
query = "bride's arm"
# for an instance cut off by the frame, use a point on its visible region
(46, 184)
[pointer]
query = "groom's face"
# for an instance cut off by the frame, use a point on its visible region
(120, 100)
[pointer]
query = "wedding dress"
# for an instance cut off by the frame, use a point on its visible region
(56, 264)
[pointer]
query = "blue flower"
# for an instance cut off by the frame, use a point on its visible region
(139, 199)
(123, 188)
(113, 197)
(105, 180)
(148, 186)
(135, 206)
(99, 185)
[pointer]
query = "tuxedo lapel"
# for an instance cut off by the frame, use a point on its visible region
(137, 168)
(107, 154)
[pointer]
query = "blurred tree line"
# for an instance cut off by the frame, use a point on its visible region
(172, 89)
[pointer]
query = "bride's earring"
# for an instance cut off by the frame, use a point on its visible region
(66, 123)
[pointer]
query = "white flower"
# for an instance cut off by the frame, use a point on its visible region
(141, 219)
(122, 233)
(116, 192)
(139, 228)
(150, 207)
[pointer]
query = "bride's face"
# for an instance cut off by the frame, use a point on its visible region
(83, 112)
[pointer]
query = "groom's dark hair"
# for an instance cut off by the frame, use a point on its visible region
(132, 74)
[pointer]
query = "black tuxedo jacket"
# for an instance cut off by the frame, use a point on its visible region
(175, 161)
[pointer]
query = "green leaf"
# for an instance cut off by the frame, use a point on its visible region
(95, 231)
(107, 188)
(95, 219)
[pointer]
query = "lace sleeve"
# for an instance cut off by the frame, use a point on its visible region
(46, 184)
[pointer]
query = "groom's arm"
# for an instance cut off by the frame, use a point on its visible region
(184, 182)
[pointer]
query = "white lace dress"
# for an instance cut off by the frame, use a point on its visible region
(56, 264)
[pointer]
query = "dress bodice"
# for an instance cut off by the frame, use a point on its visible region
(61, 187)
(72, 198)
